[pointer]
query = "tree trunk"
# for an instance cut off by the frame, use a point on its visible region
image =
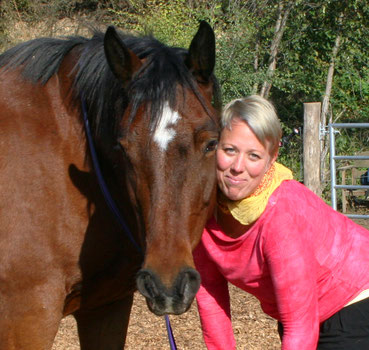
(283, 13)
(324, 144)
(256, 64)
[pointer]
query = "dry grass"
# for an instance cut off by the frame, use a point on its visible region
(20, 31)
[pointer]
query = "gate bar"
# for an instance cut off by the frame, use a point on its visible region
(333, 159)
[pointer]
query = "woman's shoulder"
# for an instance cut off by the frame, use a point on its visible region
(293, 201)
(288, 190)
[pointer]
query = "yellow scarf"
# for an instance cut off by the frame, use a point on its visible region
(249, 209)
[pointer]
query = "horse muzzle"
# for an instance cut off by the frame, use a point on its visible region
(176, 299)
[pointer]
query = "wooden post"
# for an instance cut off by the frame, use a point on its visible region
(312, 146)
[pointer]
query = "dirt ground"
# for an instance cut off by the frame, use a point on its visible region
(253, 329)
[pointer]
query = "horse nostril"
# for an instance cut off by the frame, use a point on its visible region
(183, 284)
(146, 285)
(189, 283)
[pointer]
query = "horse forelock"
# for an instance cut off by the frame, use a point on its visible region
(157, 85)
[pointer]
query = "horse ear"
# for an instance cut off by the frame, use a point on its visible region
(201, 54)
(122, 61)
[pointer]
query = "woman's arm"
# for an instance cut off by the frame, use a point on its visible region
(213, 304)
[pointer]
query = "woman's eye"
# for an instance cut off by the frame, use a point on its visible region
(229, 150)
(211, 146)
(254, 156)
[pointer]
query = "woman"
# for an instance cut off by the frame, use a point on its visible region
(272, 237)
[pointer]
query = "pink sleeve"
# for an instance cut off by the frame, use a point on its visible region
(291, 264)
(213, 304)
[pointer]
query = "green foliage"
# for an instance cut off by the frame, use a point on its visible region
(169, 21)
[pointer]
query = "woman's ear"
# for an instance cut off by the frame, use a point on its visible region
(274, 158)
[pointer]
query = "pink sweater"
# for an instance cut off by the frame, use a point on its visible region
(301, 259)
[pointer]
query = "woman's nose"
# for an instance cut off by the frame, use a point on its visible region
(238, 166)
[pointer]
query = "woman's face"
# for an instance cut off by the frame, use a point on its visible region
(242, 161)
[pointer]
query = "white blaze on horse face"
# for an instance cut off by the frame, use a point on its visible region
(165, 132)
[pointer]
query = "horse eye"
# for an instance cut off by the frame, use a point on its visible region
(211, 146)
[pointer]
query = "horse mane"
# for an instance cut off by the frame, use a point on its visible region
(104, 95)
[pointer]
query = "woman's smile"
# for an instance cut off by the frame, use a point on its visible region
(234, 180)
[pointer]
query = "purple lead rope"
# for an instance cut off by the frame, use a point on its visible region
(172, 341)
(113, 207)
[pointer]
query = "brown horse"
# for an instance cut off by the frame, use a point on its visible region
(154, 122)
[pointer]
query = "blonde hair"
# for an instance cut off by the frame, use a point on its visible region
(260, 116)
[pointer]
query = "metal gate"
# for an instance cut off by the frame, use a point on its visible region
(333, 157)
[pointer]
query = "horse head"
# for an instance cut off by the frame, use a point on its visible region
(168, 136)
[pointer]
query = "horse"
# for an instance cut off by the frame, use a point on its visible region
(152, 111)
